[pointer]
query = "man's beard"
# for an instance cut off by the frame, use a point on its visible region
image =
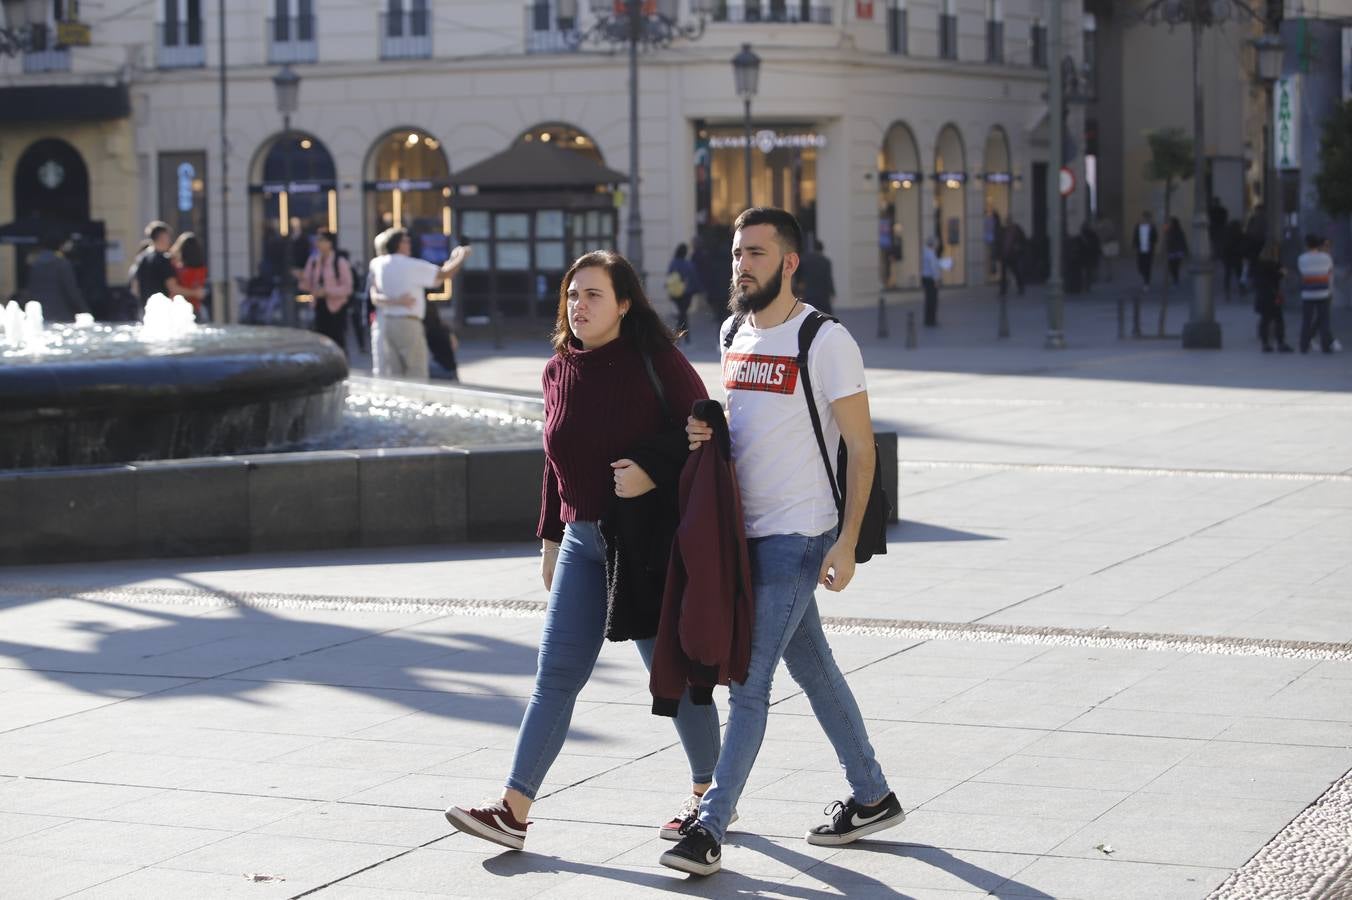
(746, 301)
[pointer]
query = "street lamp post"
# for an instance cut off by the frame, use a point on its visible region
(1269, 54)
(1056, 335)
(635, 24)
(746, 75)
(287, 85)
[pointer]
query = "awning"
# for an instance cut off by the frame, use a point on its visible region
(535, 164)
(64, 103)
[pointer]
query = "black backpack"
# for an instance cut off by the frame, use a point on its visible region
(873, 529)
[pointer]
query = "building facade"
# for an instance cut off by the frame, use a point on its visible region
(879, 123)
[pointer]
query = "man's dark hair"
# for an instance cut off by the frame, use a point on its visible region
(681, 251)
(786, 227)
(1314, 241)
(394, 238)
(157, 228)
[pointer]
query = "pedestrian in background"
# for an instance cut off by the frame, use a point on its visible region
(608, 441)
(816, 282)
(682, 285)
(1316, 294)
(929, 280)
(153, 271)
(51, 281)
(1013, 245)
(327, 278)
(400, 282)
(1268, 301)
(711, 252)
(1143, 240)
(1175, 248)
(190, 267)
(1232, 257)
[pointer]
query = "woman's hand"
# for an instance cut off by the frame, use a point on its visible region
(549, 555)
(630, 479)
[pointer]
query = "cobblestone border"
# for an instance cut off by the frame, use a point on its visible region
(910, 629)
(1139, 471)
(1310, 858)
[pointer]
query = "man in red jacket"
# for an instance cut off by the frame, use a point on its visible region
(796, 538)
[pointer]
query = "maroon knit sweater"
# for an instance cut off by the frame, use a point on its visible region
(599, 404)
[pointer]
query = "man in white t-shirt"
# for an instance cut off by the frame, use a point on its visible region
(795, 537)
(399, 282)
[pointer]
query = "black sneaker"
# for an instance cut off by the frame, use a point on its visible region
(697, 853)
(850, 821)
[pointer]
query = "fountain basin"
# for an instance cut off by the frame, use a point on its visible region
(105, 394)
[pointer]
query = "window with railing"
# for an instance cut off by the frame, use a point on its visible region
(995, 31)
(547, 31)
(406, 30)
(790, 11)
(1037, 44)
(180, 44)
(45, 52)
(896, 28)
(948, 30)
(292, 33)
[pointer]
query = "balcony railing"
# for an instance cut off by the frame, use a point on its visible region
(181, 45)
(291, 39)
(543, 31)
(788, 11)
(995, 41)
(896, 31)
(37, 61)
(406, 35)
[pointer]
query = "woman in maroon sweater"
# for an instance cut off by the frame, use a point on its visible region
(602, 409)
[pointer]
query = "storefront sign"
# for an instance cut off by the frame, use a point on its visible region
(186, 173)
(900, 178)
(1286, 115)
(767, 140)
(951, 179)
(72, 34)
(297, 187)
(999, 177)
(405, 184)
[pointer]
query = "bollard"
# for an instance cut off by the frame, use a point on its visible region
(1121, 317)
(882, 316)
(1004, 317)
(910, 330)
(1136, 314)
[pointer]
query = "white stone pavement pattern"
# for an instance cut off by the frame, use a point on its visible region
(1106, 657)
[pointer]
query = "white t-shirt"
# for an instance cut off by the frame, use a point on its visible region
(779, 467)
(395, 275)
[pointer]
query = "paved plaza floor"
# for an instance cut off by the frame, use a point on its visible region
(1108, 655)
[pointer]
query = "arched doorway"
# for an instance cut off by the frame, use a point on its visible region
(900, 179)
(295, 193)
(51, 182)
(950, 201)
(998, 177)
(406, 184)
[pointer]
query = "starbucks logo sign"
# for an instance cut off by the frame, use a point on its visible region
(51, 174)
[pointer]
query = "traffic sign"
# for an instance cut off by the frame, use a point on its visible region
(1067, 181)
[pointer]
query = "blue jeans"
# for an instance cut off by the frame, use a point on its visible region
(784, 569)
(569, 644)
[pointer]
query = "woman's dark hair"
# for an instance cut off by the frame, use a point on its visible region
(681, 251)
(641, 325)
(325, 234)
(189, 249)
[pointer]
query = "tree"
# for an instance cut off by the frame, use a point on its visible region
(1170, 161)
(1334, 181)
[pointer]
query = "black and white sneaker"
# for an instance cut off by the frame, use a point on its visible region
(850, 821)
(697, 853)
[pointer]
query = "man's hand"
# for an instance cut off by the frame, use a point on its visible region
(549, 555)
(837, 567)
(698, 431)
(630, 479)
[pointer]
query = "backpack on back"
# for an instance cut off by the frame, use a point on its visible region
(675, 285)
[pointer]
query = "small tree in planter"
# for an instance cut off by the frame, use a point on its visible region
(1334, 181)
(1171, 162)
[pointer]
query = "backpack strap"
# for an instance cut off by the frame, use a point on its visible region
(735, 327)
(806, 332)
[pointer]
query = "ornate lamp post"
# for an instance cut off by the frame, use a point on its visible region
(24, 27)
(1269, 55)
(746, 75)
(645, 24)
(287, 85)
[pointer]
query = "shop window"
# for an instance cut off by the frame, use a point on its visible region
(407, 186)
